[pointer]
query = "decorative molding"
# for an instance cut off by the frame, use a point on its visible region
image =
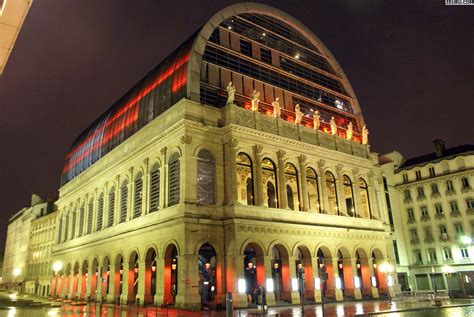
(233, 143)
(258, 148)
(186, 139)
(322, 164)
(302, 159)
(355, 172)
(281, 154)
(163, 151)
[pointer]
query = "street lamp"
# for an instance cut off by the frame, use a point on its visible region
(57, 266)
(16, 273)
(387, 268)
(446, 269)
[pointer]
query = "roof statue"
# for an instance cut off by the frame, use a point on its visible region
(255, 100)
(230, 93)
(276, 108)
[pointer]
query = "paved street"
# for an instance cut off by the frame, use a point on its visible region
(368, 308)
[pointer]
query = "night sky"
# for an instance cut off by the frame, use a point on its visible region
(410, 63)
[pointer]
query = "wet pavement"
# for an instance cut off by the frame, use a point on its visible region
(404, 308)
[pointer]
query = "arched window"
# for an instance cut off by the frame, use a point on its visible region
(205, 178)
(60, 229)
(111, 216)
(244, 179)
(155, 188)
(66, 227)
(123, 201)
(173, 180)
(138, 196)
(331, 193)
(292, 193)
(90, 216)
(349, 196)
(100, 212)
(270, 183)
(73, 224)
(81, 220)
(364, 197)
(313, 190)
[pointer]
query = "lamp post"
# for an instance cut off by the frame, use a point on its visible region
(387, 269)
(57, 266)
(447, 270)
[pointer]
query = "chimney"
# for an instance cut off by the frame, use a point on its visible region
(439, 147)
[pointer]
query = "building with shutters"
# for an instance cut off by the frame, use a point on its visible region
(188, 188)
(433, 207)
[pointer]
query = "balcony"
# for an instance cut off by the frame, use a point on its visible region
(429, 239)
(440, 215)
(470, 211)
(421, 197)
(415, 241)
(455, 213)
(466, 189)
(407, 200)
(435, 195)
(444, 237)
(434, 261)
(425, 218)
(450, 192)
(411, 220)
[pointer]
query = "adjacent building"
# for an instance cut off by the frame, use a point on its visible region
(434, 224)
(18, 241)
(189, 187)
(38, 264)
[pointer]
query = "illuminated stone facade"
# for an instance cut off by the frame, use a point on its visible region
(182, 202)
(433, 208)
(38, 264)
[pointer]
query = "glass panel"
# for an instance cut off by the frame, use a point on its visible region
(269, 183)
(155, 188)
(349, 196)
(173, 181)
(137, 202)
(123, 202)
(100, 212)
(205, 178)
(332, 194)
(244, 180)
(312, 188)
(292, 187)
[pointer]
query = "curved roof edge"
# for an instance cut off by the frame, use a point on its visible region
(197, 50)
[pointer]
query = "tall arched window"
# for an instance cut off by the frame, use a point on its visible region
(123, 201)
(60, 229)
(90, 215)
(291, 178)
(205, 178)
(155, 188)
(111, 215)
(73, 224)
(82, 211)
(244, 179)
(364, 197)
(138, 196)
(100, 212)
(349, 196)
(313, 190)
(270, 183)
(331, 193)
(66, 227)
(173, 180)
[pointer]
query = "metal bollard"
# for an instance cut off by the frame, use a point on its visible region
(229, 309)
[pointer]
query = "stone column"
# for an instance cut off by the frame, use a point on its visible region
(356, 292)
(163, 177)
(125, 282)
(317, 288)
(89, 280)
(112, 281)
(105, 208)
(80, 291)
(374, 289)
(282, 179)
(295, 296)
(341, 202)
(71, 285)
(357, 198)
(188, 282)
(268, 270)
(372, 197)
(337, 292)
(258, 174)
(324, 195)
(141, 282)
(234, 272)
(303, 183)
(146, 188)
(100, 284)
(160, 283)
(231, 182)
